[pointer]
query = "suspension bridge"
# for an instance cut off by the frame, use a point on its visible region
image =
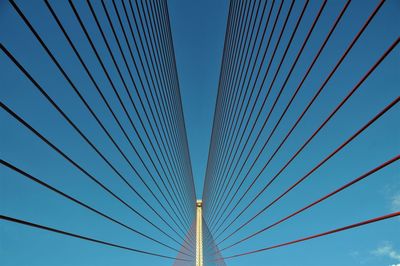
(94, 118)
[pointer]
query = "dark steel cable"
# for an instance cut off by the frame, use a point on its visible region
(86, 69)
(216, 106)
(227, 55)
(145, 55)
(232, 108)
(251, 55)
(320, 89)
(145, 37)
(173, 208)
(179, 98)
(26, 21)
(157, 30)
(86, 206)
(179, 124)
(228, 92)
(223, 200)
(230, 111)
(242, 65)
(262, 40)
(58, 231)
(179, 199)
(130, 98)
(166, 58)
(262, 107)
(85, 172)
(259, 71)
(336, 109)
(280, 92)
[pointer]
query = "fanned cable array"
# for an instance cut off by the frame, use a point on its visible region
(285, 84)
(128, 89)
(304, 119)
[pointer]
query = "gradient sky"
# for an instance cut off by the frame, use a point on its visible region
(198, 29)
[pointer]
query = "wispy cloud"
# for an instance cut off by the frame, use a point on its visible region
(389, 251)
(396, 204)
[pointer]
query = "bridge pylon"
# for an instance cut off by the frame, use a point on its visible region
(199, 233)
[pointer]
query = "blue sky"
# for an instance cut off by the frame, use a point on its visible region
(198, 29)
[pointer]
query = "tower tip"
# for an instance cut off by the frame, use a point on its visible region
(199, 203)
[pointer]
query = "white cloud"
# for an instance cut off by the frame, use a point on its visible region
(395, 264)
(387, 250)
(396, 205)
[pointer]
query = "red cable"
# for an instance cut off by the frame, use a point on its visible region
(337, 230)
(270, 112)
(309, 105)
(390, 49)
(354, 181)
(287, 107)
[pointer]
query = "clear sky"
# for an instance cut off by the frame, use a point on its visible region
(198, 29)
